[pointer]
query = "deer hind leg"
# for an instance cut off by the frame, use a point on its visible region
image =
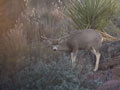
(97, 54)
(73, 58)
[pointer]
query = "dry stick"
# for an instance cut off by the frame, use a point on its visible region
(107, 37)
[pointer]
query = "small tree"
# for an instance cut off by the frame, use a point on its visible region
(94, 14)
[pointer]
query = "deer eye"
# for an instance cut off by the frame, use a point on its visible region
(55, 43)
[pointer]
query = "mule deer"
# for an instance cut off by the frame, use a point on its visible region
(82, 39)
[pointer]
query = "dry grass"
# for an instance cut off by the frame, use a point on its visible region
(24, 39)
(13, 47)
(14, 42)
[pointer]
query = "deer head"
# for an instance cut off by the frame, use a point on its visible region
(57, 44)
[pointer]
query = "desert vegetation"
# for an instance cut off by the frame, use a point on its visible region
(29, 63)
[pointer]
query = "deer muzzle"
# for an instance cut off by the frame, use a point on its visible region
(55, 48)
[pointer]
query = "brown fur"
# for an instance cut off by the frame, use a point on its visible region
(83, 39)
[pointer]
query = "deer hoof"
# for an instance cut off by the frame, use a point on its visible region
(73, 65)
(95, 69)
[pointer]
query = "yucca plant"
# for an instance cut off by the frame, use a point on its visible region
(94, 14)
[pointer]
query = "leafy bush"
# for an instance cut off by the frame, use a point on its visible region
(94, 14)
(53, 76)
(42, 76)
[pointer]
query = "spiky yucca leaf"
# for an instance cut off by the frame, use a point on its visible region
(94, 14)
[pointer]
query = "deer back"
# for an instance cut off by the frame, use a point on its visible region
(85, 39)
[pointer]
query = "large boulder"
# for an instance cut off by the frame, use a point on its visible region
(108, 68)
(116, 73)
(110, 85)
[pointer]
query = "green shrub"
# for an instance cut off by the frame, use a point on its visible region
(94, 14)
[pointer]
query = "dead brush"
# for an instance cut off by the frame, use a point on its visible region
(13, 46)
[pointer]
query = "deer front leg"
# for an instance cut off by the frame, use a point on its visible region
(97, 61)
(73, 58)
(97, 54)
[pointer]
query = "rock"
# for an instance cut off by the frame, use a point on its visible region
(110, 50)
(110, 85)
(116, 73)
(110, 63)
(108, 67)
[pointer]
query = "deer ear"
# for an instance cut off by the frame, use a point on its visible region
(47, 42)
(62, 40)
